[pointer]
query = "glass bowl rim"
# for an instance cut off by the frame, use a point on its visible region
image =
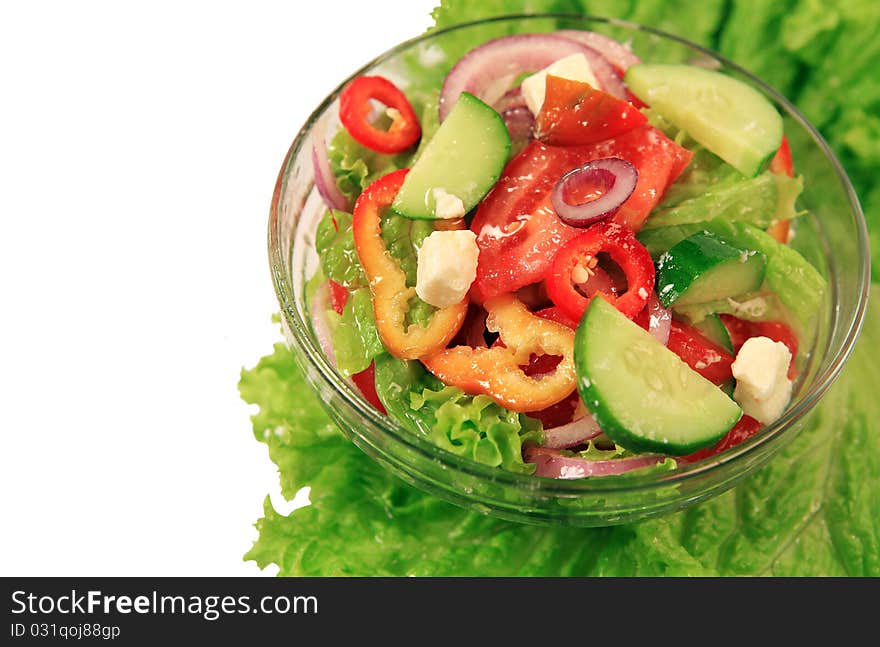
(299, 328)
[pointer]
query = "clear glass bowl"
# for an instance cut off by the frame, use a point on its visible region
(833, 236)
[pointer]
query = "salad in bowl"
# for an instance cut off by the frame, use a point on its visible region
(568, 273)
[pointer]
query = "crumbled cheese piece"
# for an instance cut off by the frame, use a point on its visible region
(763, 389)
(447, 265)
(643, 293)
(447, 205)
(574, 67)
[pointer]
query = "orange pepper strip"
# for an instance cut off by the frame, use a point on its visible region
(497, 371)
(388, 287)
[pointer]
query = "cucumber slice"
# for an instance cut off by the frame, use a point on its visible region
(727, 116)
(704, 267)
(713, 329)
(642, 395)
(464, 158)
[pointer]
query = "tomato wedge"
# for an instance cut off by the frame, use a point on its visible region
(706, 358)
(575, 113)
(744, 429)
(518, 232)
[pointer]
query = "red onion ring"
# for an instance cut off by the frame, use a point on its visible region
(659, 319)
(619, 178)
(325, 181)
(318, 314)
(551, 463)
(511, 99)
(573, 433)
(479, 71)
(619, 55)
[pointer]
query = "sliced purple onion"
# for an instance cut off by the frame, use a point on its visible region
(318, 313)
(551, 463)
(615, 52)
(573, 433)
(503, 59)
(520, 124)
(618, 178)
(511, 99)
(659, 319)
(325, 181)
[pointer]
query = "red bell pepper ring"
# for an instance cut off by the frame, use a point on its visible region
(579, 254)
(338, 296)
(388, 288)
(355, 109)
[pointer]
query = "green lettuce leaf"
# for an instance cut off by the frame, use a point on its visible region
(471, 426)
(356, 166)
(704, 171)
(758, 201)
(356, 341)
(403, 237)
(334, 244)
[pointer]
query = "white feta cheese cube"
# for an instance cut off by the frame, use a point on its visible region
(447, 265)
(574, 67)
(763, 389)
(447, 205)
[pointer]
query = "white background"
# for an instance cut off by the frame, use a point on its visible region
(139, 144)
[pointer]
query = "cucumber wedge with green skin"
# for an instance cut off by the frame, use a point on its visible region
(713, 329)
(464, 158)
(727, 116)
(644, 397)
(704, 267)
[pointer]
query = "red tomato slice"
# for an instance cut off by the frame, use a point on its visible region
(740, 330)
(745, 428)
(706, 358)
(365, 381)
(659, 161)
(517, 229)
(576, 113)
